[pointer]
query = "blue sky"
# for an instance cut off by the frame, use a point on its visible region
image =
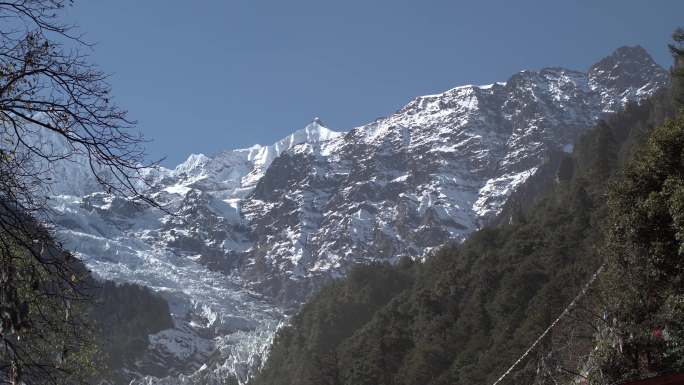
(202, 76)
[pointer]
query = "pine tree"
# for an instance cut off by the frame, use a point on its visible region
(677, 50)
(643, 282)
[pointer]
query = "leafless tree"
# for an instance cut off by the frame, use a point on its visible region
(48, 87)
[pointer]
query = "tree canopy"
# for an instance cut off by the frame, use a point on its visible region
(49, 88)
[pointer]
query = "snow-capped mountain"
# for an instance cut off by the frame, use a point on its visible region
(255, 231)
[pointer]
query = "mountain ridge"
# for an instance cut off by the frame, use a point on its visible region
(255, 231)
(469, 311)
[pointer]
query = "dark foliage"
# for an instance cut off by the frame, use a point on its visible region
(677, 50)
(45, 336)
(124, 315)
(98, 328)
(306, 354)
(49, 88)
(644, 285)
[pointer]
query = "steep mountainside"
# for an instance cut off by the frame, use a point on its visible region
(471, 310)
(257, 230)
(430, 173)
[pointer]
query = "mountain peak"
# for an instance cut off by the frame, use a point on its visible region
(629, 73)
(627, 59)
(635, 52)
(314, 132)
(317, 121)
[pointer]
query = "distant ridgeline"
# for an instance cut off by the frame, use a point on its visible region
(470, 311)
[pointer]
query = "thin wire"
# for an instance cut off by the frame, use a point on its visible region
(579, 296)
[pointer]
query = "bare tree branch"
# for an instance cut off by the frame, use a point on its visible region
(48, 87)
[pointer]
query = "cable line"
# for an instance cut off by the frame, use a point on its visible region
(553, 324)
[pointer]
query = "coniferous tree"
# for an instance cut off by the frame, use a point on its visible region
(644, 282)
(677, 50)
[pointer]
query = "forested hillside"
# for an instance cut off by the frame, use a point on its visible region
(90, 330)
(642, 292)
(123, 316)
(471, 310)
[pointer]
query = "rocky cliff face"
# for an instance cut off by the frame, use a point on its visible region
(256, 230)
(428, 174)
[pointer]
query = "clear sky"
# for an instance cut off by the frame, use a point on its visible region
(202, 76)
